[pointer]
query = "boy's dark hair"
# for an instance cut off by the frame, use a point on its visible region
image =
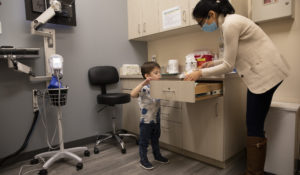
(219, 6)
(148, 66)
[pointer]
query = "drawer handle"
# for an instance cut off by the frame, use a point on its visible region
(217, 109)
(139, 29)
(184, 15)
(168, 90)
(144, 27)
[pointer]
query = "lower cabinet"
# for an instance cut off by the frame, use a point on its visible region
(212, 129)
(131, 115)
(171, 123)
(171, 133)
(202, 128)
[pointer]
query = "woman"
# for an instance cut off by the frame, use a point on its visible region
(257, 61)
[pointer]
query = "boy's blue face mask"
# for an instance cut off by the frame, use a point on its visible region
(209, 27)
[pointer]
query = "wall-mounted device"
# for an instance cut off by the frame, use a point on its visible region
(12, 55)
(266, 10)
(49, 11)
(66, 16)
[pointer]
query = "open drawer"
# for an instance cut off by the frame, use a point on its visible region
(185, 91)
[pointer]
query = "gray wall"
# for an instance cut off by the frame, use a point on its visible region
(100, 38)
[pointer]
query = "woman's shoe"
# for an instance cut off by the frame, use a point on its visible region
(256, 155)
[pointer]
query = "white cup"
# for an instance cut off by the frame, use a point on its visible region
(189, 66)
(172, 67)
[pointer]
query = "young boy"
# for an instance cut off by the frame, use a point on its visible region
(150, 115)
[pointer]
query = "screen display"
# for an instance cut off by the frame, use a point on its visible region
(34, 8)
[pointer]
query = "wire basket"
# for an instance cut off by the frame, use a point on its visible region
(55, 98)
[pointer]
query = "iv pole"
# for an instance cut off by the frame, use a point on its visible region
(54, 66)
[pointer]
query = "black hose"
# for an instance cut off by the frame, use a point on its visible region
(36, 114)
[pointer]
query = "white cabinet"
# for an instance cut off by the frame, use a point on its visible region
(271, 9)
(131, 115)
(203, 129)
(173, 14)
(171, 123)
(150, 17)
(131, 110)
(154, 19)
(134, 18)
(211, 128)
(282, 130)
(142, 18)
(213, 125)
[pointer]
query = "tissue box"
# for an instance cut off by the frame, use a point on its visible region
(130, 69)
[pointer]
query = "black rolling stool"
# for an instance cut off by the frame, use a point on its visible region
(102, 76)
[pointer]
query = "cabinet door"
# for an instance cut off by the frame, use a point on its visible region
(192, 5)
(171, 113)
(202, 128)
(150, 24)
(171, 133)
(131, 115)
(173, 14)
(134, 12)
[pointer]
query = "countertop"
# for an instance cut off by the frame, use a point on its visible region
(172, 76)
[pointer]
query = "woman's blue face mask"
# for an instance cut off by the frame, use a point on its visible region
(208, 27)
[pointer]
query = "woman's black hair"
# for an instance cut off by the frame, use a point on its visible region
(219, 6)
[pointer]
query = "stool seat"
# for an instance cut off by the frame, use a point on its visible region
(113, 98)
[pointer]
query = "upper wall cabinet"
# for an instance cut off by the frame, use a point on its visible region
(142, 18)
(272, 9)
(134, 18)
(154, 19)
(150, 16)
(173, 14)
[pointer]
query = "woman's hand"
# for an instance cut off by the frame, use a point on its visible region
(207, 64)
(193, 76)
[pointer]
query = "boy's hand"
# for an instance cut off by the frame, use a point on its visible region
(135, 92)
(146, 81)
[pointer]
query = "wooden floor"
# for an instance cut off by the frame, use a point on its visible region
(110, 161)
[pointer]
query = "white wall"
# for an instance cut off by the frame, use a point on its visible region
(100, 38)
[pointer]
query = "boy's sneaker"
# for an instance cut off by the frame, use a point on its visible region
(146, 165)
(162, 159)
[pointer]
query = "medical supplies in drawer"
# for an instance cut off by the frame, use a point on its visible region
(185, 91)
